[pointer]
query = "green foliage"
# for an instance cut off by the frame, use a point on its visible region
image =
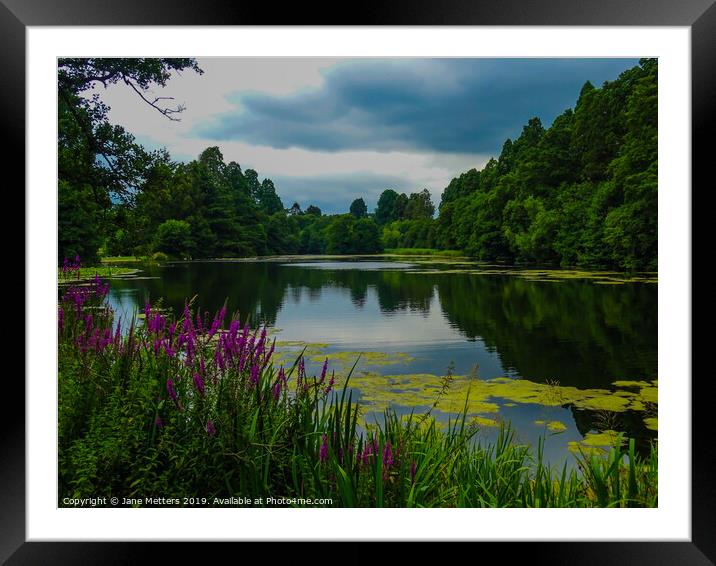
(358, 208)
(173, 238)
(582, 192)
(98, 162)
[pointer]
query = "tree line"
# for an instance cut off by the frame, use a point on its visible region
(581, 192)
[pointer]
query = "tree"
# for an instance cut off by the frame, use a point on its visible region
(96, 159)
(295, 209)
(268, 200)
(419, 206)
(401, 202)
(358, 208)
(340, 235)
(366, 237)
(313, 210)
(385, 210)
(173, 238)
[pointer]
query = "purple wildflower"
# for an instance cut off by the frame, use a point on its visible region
(254, 377)
(61, 318)
(171, 390)
(219, 359)
(158, 422)
(323, 372)
(323, 453)
(276, 390)
(387, 456)
(187, 325)
(331, 382)
(267, 357)
(233, 329)
(168, 349)
(210, 429)
(413, 468)
(199, 323)
(199, 382)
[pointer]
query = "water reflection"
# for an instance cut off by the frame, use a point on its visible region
(574, 332)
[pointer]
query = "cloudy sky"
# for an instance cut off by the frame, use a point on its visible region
(327, 131)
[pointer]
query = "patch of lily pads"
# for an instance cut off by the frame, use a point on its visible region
(543, 275)
(487, 396)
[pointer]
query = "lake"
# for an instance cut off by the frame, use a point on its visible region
(568, 355)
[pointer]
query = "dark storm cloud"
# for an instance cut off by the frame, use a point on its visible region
(333, 194)
(440, 105)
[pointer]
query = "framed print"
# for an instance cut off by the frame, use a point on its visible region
(455, 331)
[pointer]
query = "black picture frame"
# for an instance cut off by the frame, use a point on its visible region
(699, 15)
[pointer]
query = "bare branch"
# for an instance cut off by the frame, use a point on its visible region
(166, 112)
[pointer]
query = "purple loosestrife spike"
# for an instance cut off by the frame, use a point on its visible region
(171, 390)
(323, 453)
(242, 359)
(210, 429)
(413, 468)
(234, 329)
(219, 360)
(199, 382)
(262, 342)
(277, 389)
(187, 325)
(331, 382)
(147, 310)
(189, 350)
(158, 422)
(199, 323)
(323, 372)
(267, 357)
(387, 456)
(254, 378)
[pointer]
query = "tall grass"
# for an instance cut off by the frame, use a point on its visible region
(197, 408)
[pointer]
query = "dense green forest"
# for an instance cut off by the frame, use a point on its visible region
(581, 192)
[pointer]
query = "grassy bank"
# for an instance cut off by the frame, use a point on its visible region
(89, 273)
(124, 259)
(198, 407)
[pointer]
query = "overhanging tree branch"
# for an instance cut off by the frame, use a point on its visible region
(167, 112)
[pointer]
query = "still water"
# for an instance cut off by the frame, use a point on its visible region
(417, 321)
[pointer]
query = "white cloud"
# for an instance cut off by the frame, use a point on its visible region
(213, 93)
